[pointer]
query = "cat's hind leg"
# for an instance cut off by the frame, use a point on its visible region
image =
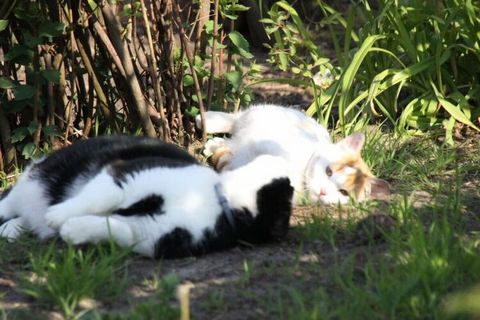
(99, 196)
(95, 229)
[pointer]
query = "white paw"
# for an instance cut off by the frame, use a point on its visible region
(11, 229)
(75, 231)
(212, 145)
(56, 217)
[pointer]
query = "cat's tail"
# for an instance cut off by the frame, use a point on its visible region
(217, 122)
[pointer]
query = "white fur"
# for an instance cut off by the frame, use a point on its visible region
(240, 185)
(291, 135)
(218, 122)
(26, 200)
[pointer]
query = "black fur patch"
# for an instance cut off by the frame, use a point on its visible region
(121, 169)
(176, 244)
(87, 157)
(149, 205)
(274, 203)
(179, 242)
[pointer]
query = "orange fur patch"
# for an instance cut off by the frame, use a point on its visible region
(219, 159)
(357, 182)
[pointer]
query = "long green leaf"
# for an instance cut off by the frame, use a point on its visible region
(349, 75)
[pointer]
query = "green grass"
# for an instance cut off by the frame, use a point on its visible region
(429, 254)
(65, 277)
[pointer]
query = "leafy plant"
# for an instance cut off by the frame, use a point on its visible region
(406, 63)
(72, 70)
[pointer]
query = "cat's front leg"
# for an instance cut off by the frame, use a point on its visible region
(98, 197)
(12, 229)
(94, 229)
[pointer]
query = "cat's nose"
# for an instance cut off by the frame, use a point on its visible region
(323, 192)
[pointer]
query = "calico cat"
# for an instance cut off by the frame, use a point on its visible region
(148, 195)
(320, 170)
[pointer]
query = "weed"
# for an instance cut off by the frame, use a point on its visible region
(66, 276)
(160, 306)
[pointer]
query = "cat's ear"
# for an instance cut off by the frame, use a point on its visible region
(353, 142)
(379, 188)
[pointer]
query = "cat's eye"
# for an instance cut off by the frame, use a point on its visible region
(344, 192)
(328, 172)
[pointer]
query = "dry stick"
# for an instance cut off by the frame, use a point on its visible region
(211, 80)
(58, 65)
(202, 18)
(36, 97)
(6, 8)
(229, 64)
(184, 41)
(105, 40)
(140, 56)
(102, 98)
(170, 42)
(140, 104)
(50, 91)
(168, 76)
(150, 54)
(5, 139)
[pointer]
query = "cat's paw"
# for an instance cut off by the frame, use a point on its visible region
(212, 146)
(56, 217)
(11, 229)
(76, 231)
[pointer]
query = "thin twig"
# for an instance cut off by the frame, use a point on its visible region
(188, 53)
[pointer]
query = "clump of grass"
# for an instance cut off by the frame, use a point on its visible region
(159, 306)
(63, 277)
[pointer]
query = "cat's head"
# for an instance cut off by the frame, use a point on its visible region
(337, 172)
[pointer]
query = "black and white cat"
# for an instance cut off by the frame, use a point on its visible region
(148, 195)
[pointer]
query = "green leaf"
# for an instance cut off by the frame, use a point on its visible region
(3, 24)
(209, 26)
(349, 75)
(23, 92)
(16, 105)
(187, 80)
(241, 44)
(51, 75)
(20, 54)
(51, 131)
(234, 78)
(33, 127)
(449, 124)
(238, 7)
(51, 29)
(6, 83)
(29, 150)
(456, 112)
(19, 134)
(192, 111)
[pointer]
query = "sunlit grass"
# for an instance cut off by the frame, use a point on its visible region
(65, 277)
